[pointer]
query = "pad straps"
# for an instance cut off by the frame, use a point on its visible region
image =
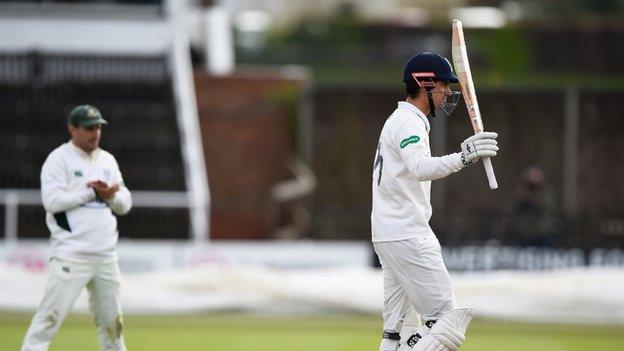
(390, 335)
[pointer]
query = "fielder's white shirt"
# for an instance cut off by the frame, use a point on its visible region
(83, 227)
(402, 175)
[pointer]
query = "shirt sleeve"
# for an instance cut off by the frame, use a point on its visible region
(121, 203)
(412, 143)
(54, 194)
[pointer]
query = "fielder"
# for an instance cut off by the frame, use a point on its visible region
(414, 275)
(82, 189)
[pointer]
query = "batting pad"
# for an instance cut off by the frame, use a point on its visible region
(448, 332)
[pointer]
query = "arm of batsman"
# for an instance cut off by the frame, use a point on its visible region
(483, 144)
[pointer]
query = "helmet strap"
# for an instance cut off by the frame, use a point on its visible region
(431, 104)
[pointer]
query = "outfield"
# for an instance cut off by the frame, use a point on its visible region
(234, 332)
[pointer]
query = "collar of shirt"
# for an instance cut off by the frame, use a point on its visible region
(406, 105)
(89, 157)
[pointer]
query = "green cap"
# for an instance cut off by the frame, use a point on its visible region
(85, 116)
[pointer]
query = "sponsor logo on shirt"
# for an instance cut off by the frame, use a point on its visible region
(411, 140)
(107, 174)
(78, 173)
(97, 203)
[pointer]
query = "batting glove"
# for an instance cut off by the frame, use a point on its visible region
(478, 145)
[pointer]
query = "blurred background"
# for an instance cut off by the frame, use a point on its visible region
(246, 131)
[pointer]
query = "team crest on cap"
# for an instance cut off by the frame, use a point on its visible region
(92, 112)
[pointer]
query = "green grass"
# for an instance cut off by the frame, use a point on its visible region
(240, 332)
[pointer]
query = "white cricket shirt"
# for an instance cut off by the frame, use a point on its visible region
(402, 175)
(83, 227)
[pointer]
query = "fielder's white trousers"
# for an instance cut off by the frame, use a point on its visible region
(414, 274)
(65, 282)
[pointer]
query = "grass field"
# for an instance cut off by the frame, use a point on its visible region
(233, 332)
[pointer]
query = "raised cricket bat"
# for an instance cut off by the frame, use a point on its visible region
(462, 67)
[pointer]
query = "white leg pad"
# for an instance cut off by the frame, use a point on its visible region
(411, 324)
(448, 332)
(415, 336)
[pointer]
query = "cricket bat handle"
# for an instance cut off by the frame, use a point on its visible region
(489, 171)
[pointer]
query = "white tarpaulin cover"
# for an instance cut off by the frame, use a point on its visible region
(579, 295)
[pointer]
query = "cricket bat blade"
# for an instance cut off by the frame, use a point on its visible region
(462, 67)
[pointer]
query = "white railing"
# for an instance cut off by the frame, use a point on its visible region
(188, 124)
(13, 198)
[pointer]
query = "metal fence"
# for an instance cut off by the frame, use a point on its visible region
(155, 215)
(572, 134)
(136, 96)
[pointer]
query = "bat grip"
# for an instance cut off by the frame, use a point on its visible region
(489, 171)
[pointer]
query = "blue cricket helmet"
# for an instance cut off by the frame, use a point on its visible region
(429, 65)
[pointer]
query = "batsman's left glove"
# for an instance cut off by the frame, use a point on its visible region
(479, 145)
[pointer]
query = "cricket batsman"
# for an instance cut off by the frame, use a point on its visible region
(414, 275)
(82, 190)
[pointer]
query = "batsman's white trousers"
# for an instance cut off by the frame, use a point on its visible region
(414, 274)
(65, 282)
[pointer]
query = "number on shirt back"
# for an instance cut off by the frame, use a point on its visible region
(378, 163)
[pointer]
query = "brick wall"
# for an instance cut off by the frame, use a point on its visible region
(247, 122)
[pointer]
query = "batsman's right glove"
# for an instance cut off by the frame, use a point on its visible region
(478, 145)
